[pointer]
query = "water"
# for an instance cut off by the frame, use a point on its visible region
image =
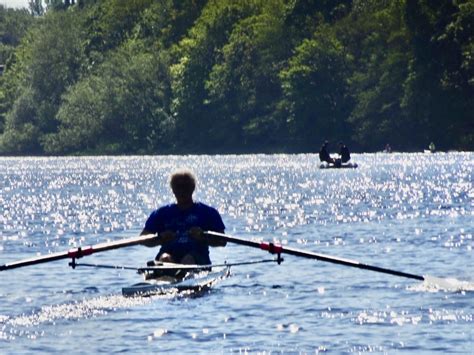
(408, 212)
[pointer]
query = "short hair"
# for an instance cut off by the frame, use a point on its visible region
(183, 175)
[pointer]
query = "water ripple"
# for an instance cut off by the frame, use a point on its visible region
(408, 212)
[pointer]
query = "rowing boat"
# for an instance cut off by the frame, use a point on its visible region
(177, 278)
(170, 278)
(342, 166)
(191, 277)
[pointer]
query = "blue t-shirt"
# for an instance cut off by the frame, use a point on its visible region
(170, 217)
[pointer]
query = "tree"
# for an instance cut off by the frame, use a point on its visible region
(165, 23)
(195, 56)
(14, 24)
(144, 76)
(21, 132)
(244, 87)
(376, 36)
(111, 22)
(315, 85)
(439, 87)
(13, 27)
(47, 62)
(120, 109)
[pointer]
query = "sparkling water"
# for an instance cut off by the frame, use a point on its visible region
(408, 212)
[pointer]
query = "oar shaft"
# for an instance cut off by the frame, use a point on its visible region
(278, 249)
(34, 261)
(119, 244)
(79, 252)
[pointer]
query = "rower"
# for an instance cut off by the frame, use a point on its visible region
(324, 154)
(180, 225)
(432, 147)
(344, 153)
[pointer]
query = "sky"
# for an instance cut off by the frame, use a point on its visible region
(14, 3)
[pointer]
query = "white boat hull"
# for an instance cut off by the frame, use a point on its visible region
(342, 166)
(193, 282)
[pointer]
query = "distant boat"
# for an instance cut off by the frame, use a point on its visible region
(342, 166)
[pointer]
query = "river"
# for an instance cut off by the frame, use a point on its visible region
(408, 212)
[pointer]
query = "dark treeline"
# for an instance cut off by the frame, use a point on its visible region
(228, 76)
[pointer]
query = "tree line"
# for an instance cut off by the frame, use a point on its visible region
(227, 76)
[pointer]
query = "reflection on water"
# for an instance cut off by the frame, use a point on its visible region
(64, 199)
(438, 284)
(408, 212)
(22, 325)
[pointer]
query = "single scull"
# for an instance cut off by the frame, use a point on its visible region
(193, 277)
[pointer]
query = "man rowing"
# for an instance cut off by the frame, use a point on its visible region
(344, 154)
(324, 154)
(180, 225)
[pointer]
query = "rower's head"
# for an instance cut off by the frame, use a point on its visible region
(183, 183)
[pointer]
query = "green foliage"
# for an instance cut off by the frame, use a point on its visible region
(243, 86)
(196, 55)
(110, 22)
(81, 117)
(441, 34)
(13, 26)
(166, 22)
(378, 77)
(315, 83)
(46, 64)
(211, 76)
(119, 109)
(21, 132)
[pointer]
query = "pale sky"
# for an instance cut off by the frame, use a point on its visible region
(14, 3)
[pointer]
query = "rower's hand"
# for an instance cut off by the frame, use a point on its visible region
(167, 236)
(150, 243)
(198, 234)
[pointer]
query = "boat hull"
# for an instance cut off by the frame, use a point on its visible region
(193, 282)
(342, 166)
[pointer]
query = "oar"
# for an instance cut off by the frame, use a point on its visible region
(79, 252)
(278, 249)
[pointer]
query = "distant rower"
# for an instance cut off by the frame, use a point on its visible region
(324, 154)
(432, 147)
(344, 154)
